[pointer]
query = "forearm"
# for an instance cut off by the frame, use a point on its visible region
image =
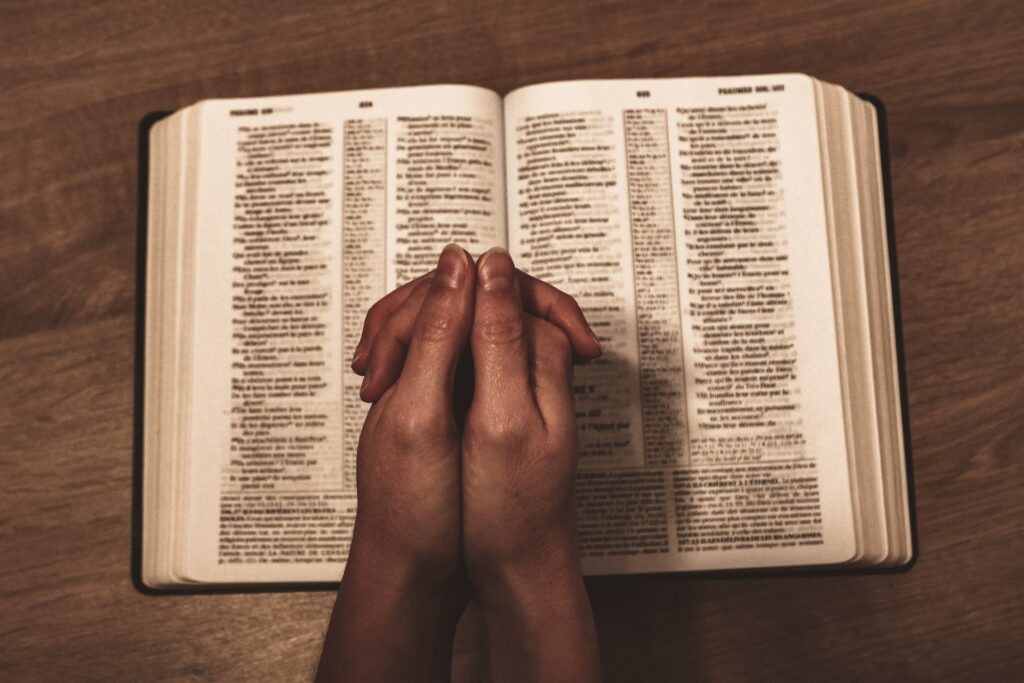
(389, 623)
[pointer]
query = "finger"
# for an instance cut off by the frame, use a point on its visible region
(539, 298)
(555, 306)
(500, 358)
(441, 329)
(551, 375)
(377, 317)
(387, 352)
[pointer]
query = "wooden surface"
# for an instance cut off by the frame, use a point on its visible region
(77, 77)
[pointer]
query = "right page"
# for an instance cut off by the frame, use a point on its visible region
(687, 217)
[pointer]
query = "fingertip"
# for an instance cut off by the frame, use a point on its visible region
(373, 388)
(453, 266)
(585, 343)
(597, 348)
(550, 303)
(364, 394)
(495, 270)
(359, 361)
(441, 328)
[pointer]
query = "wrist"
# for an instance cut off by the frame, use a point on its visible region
(525, 584)
(380, 554)
(390, 622)
(425, 590)
(537, 620)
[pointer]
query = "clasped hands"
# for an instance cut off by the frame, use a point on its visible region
(459, 496)
(467, 459)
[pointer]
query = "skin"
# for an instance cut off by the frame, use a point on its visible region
(466, 466)
(387, 330)
(518, 474)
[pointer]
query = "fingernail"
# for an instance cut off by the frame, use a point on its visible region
(597, 341)
(358, 356)
(452, 265)
(496, 269)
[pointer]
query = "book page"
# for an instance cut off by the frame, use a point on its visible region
(686, 216)
(310, 209)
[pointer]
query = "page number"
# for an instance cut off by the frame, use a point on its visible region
(643, 93)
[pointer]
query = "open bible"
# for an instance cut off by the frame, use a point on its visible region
(726, 238)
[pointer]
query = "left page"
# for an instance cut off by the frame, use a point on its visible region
(310, 208)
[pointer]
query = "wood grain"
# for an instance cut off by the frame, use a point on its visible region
(77, 78)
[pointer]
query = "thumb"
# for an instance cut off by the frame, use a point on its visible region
(441, 329)
(500, 354)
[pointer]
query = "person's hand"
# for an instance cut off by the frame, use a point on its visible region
(496, 499)
(518, 477)
(408, 465)
(404, 587)
(388, 328)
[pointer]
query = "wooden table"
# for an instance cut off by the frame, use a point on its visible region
(76, 79)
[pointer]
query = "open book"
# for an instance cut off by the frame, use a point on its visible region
(726, 238)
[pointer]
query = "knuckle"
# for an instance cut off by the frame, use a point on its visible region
(416, 425)
(375, 315)
(376, 310)
(568, 304)
(507, 434)
(433, 325)
(575, 309)
(500, 330)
